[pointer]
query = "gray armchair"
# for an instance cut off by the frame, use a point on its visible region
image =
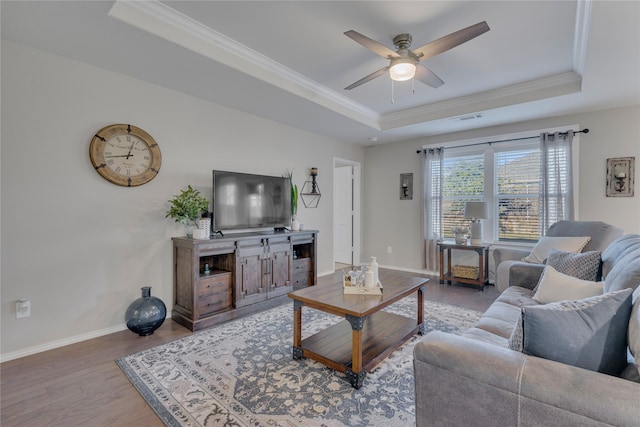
(511, 271)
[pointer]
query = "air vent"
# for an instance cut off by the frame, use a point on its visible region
(465, 118)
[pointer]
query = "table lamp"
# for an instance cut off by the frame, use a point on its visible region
(476, 212)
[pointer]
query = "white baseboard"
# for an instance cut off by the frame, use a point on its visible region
(410, 270)
(95, 334)
(60, 343)
(325, 273)
(393, 267)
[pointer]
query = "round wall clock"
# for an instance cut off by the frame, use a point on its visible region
(125, 155)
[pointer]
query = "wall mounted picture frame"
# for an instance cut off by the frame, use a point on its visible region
(620, 176)
(406, 186)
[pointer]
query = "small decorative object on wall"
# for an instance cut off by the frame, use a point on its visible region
(620, 176)
(406, 186)
(310, 193)
(125, 155)
(145, 314)
(187, 207)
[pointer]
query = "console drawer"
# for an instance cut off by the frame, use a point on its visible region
(214, 283)
(301, 265)
(216, 302)
(301, 279)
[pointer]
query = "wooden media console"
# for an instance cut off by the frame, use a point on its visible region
(247, 273)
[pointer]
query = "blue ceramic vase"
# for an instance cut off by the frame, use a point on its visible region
(145, 314)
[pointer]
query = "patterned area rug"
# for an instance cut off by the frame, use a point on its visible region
(241, 373)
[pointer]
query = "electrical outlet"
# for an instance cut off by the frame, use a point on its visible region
(388, 249)
(23, 308)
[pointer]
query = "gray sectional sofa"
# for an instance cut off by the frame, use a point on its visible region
(476, 379)
(507, 260)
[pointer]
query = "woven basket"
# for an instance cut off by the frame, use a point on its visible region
(466, 272)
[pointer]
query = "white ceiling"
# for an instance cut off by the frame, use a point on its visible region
(289, 61)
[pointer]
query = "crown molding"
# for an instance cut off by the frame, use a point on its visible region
(532, 90)
(163, 21)
(583, 19)
(167, 23)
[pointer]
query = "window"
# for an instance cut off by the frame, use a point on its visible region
(508, 177)
(463, 181)
(517, 194)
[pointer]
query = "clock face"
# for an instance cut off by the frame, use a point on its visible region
(125, 155)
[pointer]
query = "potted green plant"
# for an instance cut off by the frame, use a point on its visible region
(295, 224)
(187, 207)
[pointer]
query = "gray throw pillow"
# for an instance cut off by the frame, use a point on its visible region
(590, 333)
(584, 265)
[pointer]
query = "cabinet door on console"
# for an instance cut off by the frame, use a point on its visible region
(279, 270)
(249, 274)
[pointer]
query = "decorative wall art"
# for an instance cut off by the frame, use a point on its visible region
(620, 176)
(406, 186)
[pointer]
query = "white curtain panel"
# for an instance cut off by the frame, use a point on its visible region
(556, 195)
(432, 174)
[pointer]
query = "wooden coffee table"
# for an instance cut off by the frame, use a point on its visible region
(367, 335)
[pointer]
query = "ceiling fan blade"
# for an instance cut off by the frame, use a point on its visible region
(428, 77)
(372, 45)
(445, 43)
(371, 76)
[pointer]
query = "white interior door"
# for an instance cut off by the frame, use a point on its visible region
(343, 221)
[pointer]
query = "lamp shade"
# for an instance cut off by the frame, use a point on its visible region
(475, 210)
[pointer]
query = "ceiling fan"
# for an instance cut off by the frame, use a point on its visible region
(404, 62)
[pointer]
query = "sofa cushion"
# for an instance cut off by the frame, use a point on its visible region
(602, 234)
(625, 273)
(482, 335)
(634, 329)
(496, 324)
(590, 333)
(631, 373)
(544, 246)
(555, 286)
(618, 250)
(584, 265)
(499, 319)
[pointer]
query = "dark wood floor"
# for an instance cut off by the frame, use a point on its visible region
(81, 385)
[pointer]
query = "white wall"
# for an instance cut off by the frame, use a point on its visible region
(79, 247)
(389, 221)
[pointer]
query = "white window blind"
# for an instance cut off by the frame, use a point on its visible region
(517, 194)
(463, 181)
(508, 177)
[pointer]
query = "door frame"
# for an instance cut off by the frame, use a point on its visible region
(357, 170)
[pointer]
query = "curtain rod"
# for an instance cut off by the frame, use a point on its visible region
(506, 140)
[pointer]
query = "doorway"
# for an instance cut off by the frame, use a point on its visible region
(346, 213)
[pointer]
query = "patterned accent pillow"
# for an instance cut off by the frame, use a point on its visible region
(542, 249)
(516, 340)
(590, 333)
(583, 265)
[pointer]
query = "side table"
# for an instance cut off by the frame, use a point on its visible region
(483, 263)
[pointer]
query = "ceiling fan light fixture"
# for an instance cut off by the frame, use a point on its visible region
(402, 69)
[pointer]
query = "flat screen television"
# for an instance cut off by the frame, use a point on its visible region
(246, 201)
